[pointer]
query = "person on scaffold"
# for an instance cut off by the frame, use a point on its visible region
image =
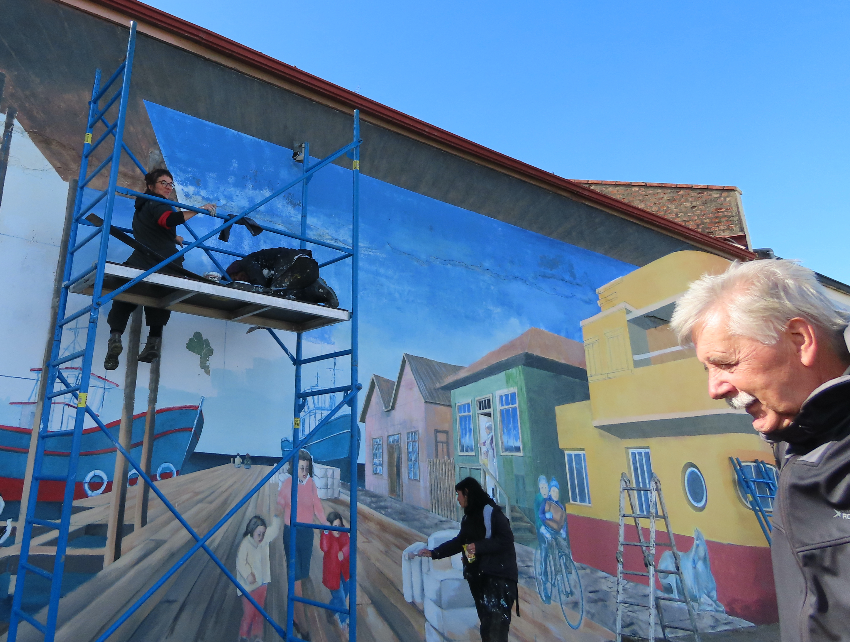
(154, 227)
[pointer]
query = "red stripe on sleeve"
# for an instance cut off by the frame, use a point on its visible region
(163, 220)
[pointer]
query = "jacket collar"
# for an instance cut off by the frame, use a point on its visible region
(822, 413)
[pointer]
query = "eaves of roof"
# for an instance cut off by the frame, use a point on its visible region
(382, 115)
(644, 184)
(526, 359)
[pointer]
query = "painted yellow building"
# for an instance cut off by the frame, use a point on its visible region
(649, 411)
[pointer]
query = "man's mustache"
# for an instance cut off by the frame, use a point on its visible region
(740, 401)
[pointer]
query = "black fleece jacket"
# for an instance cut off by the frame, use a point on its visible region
(494, 555)
(811, 520)
(154, 226)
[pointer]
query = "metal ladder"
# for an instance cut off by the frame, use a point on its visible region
(750, 482)
(83, 232)
(646, 509)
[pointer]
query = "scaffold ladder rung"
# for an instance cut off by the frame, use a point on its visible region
(29, 619)
(56, 433)
(325, 357)
(67, 358)
(38, 571)
(73, 317)
(35, 521)
(62, 392)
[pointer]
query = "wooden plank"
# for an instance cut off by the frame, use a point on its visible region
(175, 542)
(115, 525)
(140, 514)
(178, 614)
(200, 603)
(88, 610)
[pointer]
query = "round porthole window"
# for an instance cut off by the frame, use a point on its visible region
(695, 489)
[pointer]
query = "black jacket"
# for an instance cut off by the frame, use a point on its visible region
(154, 226)
(494, 555)
(811, 520)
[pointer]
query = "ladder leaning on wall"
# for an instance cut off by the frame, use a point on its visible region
(644, 504)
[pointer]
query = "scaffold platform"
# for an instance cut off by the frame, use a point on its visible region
(209, 299)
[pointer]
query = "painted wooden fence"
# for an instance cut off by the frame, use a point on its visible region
(441, 473)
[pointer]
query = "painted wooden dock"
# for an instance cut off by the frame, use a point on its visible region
(199, 603)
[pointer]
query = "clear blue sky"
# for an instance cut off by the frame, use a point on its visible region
(751, 94)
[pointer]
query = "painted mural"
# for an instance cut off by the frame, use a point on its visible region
(539, 368)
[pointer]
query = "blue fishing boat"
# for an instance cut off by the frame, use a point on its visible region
(333, 445)
(176, 434)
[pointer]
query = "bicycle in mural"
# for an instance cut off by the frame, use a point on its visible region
(556, 572)
(554, 568)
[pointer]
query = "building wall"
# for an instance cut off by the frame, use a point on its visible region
(740, 557)
(410, 414)
(468, 394)
(538, 393)
(436, 418)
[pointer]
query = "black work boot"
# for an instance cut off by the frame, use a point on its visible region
(151, 351)
(113, 350)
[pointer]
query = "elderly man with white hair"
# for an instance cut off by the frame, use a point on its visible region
(774, 345)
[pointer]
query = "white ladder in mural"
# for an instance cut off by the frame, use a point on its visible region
(644, 504)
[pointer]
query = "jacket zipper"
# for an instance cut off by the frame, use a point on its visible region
(784, 482)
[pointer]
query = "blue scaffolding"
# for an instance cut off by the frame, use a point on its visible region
(94, 276)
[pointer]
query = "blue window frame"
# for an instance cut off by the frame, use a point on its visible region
(765, 477)
(413, 455)
(641, 477)
(378, 456)
(578, 485)
(509, 424)
(466, 440)
(696, 491)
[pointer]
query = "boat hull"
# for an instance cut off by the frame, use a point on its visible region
(176, 434)
(333, 445)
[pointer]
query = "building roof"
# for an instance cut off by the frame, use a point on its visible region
(428, 375)
(535, 348)
(715, 210)
(385, 389)
(183, 34)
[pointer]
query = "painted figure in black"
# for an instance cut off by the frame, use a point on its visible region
(155, 227)
(489, 558)
(287, 272)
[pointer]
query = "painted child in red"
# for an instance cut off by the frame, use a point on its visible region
(335, 565)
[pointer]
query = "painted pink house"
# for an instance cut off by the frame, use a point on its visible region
(408, 421)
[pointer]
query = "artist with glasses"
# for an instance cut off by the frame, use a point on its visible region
(155, 228)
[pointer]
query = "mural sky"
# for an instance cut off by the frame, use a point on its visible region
(435, 280)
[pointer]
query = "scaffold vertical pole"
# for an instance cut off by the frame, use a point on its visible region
(79, 391)
(355, 430)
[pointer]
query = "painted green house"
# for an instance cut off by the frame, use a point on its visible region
(503, 413)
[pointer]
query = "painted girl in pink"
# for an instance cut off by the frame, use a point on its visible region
(309, 507)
